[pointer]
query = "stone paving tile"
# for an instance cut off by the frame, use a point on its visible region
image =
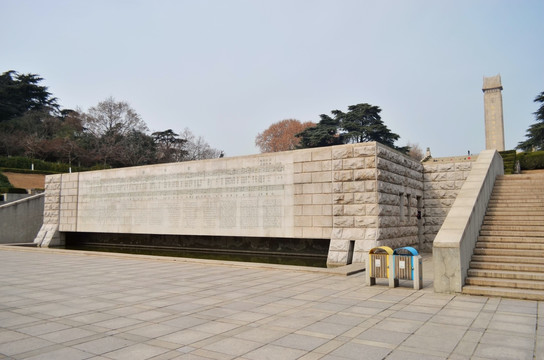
(274, 352)
(356, 351)
(104, 345)
(63, 354)
(166, 310)
(136, 352)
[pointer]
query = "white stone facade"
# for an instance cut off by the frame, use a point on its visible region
(358, 196)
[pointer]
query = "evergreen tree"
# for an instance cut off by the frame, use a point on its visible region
(325, 133)
(535, 132)
(20, 93)
(361, 123)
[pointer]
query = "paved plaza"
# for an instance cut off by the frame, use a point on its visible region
(59, 304)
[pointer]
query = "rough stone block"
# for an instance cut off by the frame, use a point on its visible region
(364, 150)
(342, 152)
(339, 245)
(337, 165)
(343, 221)
(371, 234)
(370, 185)
(366, 221)
(353, 163)
(354, 186)
(338, 210)
(355, 210)
(344, 175)
(365, 198)
(365, 174)
(372, 209)
(354, 234)
(370, 162)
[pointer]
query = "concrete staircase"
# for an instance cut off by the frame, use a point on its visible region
(508, 260)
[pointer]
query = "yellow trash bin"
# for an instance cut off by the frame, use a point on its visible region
(380, 260)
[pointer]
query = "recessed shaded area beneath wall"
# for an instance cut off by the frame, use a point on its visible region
(284, 251)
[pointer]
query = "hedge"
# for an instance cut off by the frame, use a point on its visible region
(4, 182)
(12, 190)
(20, 162)
(509, 160)
(531, 161)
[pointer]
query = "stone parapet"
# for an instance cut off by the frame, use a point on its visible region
(454, 243)
(49, 235)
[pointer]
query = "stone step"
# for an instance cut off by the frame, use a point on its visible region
(524, 204)
(504, 252)
(507, 266)
(515, 212)
(508, 258)
(520, 229)
(510, 233)
(504, 292)
(509, 222)
(500, 274)
(517, 190)
(505, 283)
(519, 178)
(537, 181)
(516, 200)
(515, 217)
(517, 239)
(510, 245)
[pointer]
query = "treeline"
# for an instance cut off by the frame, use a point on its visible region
(110, 134)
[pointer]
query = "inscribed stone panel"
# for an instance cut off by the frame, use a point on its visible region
(249, 196)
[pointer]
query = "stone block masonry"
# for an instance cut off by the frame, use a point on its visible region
(443, 179)
(356, 196)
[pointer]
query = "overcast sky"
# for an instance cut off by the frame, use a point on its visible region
(229, 69)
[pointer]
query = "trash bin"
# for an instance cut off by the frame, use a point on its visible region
(407, 265)
(378, 267)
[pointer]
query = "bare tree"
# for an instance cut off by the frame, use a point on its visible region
(110, 117)
(197, 148)
(108, 123)
(415, 151)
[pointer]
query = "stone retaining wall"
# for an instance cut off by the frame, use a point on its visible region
(443, 179)
(358, 196)
(20, 220)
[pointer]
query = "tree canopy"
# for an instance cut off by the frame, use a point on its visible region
(535, 132)
(280, 136)
(361, 123)
(109, 134)
(20, 93)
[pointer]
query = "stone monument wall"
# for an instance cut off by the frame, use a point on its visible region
(356, 196)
